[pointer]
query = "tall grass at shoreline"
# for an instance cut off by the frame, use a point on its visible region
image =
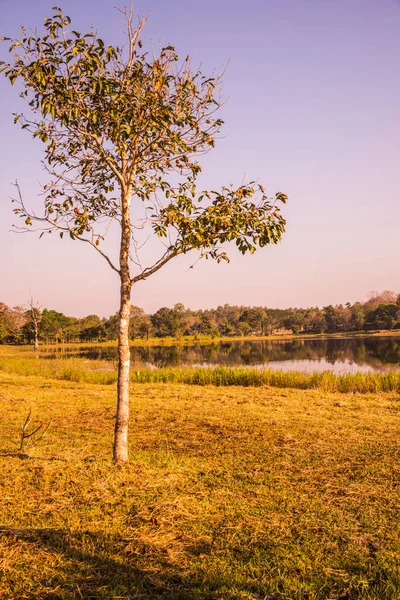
(104, 372)
(239, 376)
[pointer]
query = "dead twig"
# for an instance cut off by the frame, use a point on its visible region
(25, 435)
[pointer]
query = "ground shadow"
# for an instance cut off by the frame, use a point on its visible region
(88, 572)
(25, 456)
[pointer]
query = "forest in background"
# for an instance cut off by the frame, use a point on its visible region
(380, 312)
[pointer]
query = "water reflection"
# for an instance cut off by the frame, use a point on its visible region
(335, 354)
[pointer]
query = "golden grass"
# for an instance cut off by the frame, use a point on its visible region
(239, 493)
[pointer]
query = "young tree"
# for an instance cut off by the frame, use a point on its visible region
(121, 128)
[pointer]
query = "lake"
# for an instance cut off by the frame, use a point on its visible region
(340, 355)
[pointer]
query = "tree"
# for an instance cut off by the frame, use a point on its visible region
(53, 325)
(330, 315)
(227, 318)
(163, 322)
(256, 317)
(111, 327)
(294, 321)
(14, 320)
(376, 298)
(34, 317)
(4, 310)
(244, 328)
(92, 329)
(357, 316)
(140, 324)
(342, 317)
(315, 321)
(385, 316)
(122, 127)
(207, 324)
(180, 320)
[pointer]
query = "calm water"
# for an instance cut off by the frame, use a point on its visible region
(335, 354)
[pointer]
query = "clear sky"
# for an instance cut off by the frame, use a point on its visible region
(313, 110)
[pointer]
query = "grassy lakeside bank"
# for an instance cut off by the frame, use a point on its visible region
(203, 339)
(20, 361)
(190, 340)
(232, 493)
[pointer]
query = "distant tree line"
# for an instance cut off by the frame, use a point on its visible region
(19, 325)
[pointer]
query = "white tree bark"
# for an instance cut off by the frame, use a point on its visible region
(120, 452)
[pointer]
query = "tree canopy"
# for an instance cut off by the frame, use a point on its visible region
(114, 119)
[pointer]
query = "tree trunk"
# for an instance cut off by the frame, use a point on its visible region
(36, 346)
(122, 417)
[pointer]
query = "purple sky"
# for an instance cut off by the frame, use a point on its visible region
(313, 109)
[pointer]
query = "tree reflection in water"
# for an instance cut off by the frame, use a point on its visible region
(339, 354)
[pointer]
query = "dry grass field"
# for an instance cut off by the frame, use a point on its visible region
(231, 493)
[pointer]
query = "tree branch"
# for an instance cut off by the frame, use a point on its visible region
(160, 263)
(81, 239)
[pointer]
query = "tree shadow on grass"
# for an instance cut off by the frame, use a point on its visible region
(93, 566)
(25, 456)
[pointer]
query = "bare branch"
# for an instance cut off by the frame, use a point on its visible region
(157, 266)
(24, 435)
(100, 252)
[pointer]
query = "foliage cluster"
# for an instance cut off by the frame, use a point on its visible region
(123, 125)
